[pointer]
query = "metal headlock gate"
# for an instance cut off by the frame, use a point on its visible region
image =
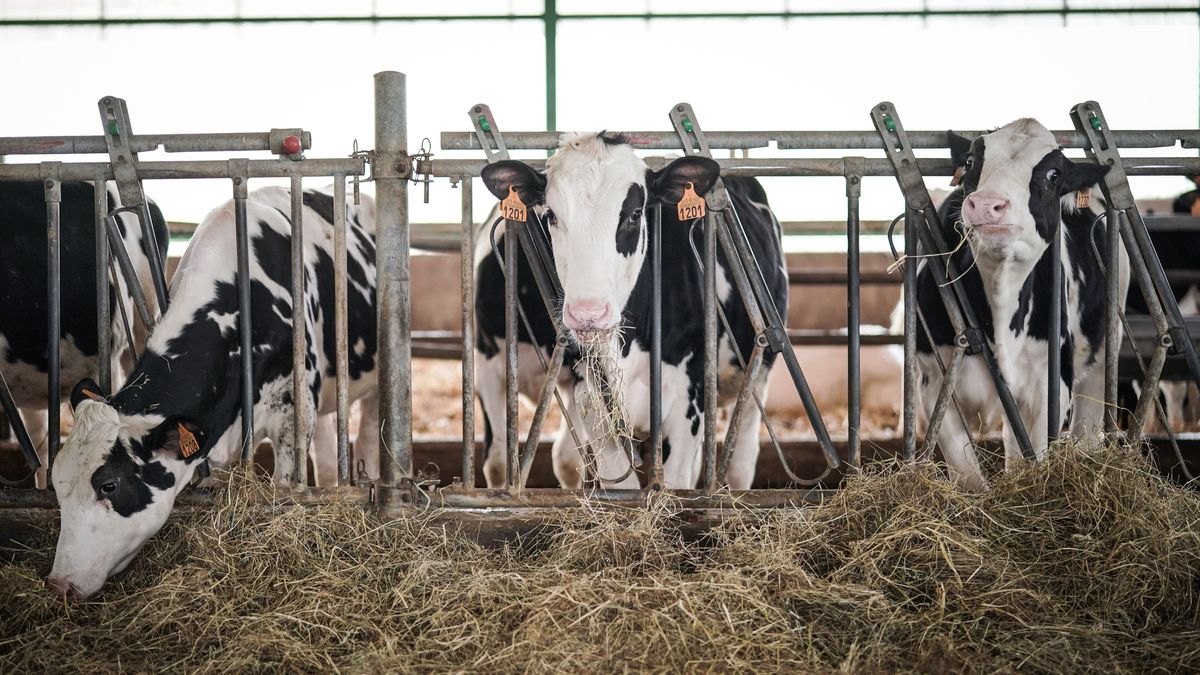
(393, 167)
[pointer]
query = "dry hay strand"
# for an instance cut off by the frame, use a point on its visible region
(1088, 562)
(603, 405)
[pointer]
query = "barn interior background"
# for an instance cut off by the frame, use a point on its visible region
(568, 64)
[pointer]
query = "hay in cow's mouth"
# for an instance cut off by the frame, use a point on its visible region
(1087, 562)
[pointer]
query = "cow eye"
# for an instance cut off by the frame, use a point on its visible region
(636, 216)
(551, 219)
(1052, 175)
(969, 162)
(108, 489)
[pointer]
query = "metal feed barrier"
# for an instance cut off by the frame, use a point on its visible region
(393, 167)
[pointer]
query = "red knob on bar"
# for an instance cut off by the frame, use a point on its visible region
(290, 145)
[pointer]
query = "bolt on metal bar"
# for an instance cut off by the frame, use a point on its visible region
(53, 188)
(710, 352)
(76, 145)
(241, 228)
(300, 396)
(1054, 334)
(812, 140)
(467, 277)
(103, 308)
(853, 312)
(655, 473)
(391, 169)
(1112, 316)
(512, 409)
(341, 321)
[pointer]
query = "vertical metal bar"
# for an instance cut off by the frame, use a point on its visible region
(753, 371)
(511, 253)
(103, 309)
(1054, 337)
(341, 338)
(710, 351)
(247, 345)
(1112, 316)
(910, 334)
(391, 169)
(53, 305)
(550, 18)
(549, 386)
(654, 479)
(853, 318)
(158, 266)
(116, 247)
(945, 395)
(300, 407)
(467, 276)
(1149, 394)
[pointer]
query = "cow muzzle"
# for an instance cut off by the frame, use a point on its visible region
(65, 588)
(588, 315)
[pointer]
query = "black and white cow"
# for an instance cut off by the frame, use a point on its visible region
(23, 309)
(129, 454)
(594, 199)
(1017, 186)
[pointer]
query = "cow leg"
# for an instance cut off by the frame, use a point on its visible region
(367, 442)
(683, 442)
(568, 462)
(1087, 406)
(489, 390)
(612, 462)
(745, 451)
(323, 451)
(953, 439)
(37, 425)
(1174, 397)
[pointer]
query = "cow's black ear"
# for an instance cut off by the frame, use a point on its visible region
(180, 438)
(530, 184)
(960, 147)
(87, 389)
(1080, 176)
(667, 185)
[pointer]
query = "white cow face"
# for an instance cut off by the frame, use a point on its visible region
(116, 479)
(595, 198)
(1017, 182)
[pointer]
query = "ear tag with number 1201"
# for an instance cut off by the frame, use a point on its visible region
(512, 208)
(691, 205)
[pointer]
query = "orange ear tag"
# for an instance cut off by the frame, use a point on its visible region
(512, 208)
(93, 395)
(958, 173)
(1083, 198)
(188, 445)
(691, 205)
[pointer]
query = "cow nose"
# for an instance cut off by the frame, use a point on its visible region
(588, 315)
(64, 587)
(985, 208)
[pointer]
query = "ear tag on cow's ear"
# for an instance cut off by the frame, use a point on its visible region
(512, 208)
(188, 445)
(1083, 198)
(691, 205)
(93, 395)
(958, 173)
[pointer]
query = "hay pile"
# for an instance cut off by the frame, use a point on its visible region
(1089, 562)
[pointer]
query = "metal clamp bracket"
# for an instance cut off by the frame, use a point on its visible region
(488, 134)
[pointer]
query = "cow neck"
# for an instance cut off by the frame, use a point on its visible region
(1012, 290)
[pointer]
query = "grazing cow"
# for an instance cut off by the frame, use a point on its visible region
(1016, 188)
(594, 199)
(130, 454)
(23, 313)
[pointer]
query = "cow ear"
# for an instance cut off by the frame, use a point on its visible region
(668, 184)
(1080, 176)
(960, 147)
(179, 438)
(87, 389)
(530, 184)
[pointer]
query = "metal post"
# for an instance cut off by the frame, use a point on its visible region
(1112, 316)
(53, 303)
(391, 170)
(910, 334)
(654, 479)
(1054, 337)
(550, 19)
(341, 319)
(103, 309)
(511, 253)
(467, 276)
(853, 313)
(710, 351)
(300, 406)
(240, 193)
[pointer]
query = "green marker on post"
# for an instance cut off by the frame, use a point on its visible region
(1095, 120)
(889, 123)
(687, 125)
(112, 128)
(484, 124)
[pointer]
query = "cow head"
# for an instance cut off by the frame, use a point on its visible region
(594, 198)
(116, 479)
(1017, 182)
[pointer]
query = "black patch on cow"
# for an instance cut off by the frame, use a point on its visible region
(629, 220)
(666, 448)
(126, 484)
(613, 138)
(321, 203)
